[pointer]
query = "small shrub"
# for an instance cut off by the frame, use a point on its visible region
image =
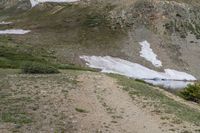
(75, 67)
(192, 93)
(81, 110)
(38, 68)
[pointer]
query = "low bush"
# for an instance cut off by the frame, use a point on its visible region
(75, 67)
(38, 68)
(192, 93)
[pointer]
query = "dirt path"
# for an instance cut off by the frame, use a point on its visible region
(78, 102)
(109, 108)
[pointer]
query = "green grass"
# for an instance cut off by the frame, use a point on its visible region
(75, 67)
(16, 57)
(95, 20)
(139, 90)
(12, 57)
(38, 68)
(17, 118)
(13, 109)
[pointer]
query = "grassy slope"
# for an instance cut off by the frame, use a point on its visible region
(69, 30)
(14, 56)
(20, 109)
(140, 90)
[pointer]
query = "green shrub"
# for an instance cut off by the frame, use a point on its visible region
(75, 67)
(38, 68)
(192, 93)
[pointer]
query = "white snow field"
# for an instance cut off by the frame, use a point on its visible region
(169, 78)
(5, 23)
(14, 31)
(115, 65)
(35, 2)
(148, 54)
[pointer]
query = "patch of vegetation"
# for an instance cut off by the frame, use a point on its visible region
(140, 90)
(81, 110)
(75, 67)
(140, 80)
(94, 20)
(5, 39)
(13, 117)
(15, 57)
(38, 68)
(12, 109)
(12, 57)
(191, 93)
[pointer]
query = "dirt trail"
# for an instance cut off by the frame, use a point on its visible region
(109, 108)
(82, 102)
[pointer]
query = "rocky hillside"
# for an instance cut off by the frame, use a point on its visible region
(115, 28)
(20, 4)
(173, 24)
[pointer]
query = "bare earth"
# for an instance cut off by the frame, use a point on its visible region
(110, 109)
(83, 102)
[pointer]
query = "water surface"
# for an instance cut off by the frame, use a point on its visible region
(170, 84)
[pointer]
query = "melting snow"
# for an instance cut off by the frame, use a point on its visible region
(14, 31)
(119, 66)
(170, 83)
(5, 23)
(149, 55)
(35, 2)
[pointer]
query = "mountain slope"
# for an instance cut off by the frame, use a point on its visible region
(144, 36)
(115, 28)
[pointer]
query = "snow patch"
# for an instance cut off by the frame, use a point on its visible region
(14, 31)
(35, 2)
(148, 54)
(119, 66)
(5, 23)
